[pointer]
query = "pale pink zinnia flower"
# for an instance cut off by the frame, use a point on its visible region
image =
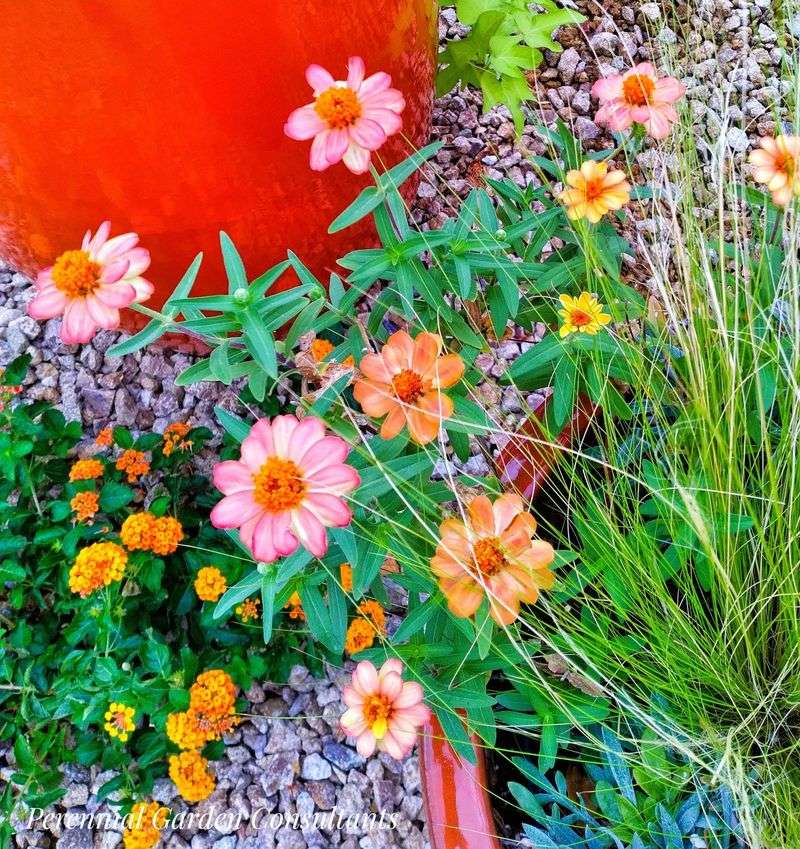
(384, 712)
(777, 166)
(638, 96)
(348, 118)
(91, 285)
(286, 488)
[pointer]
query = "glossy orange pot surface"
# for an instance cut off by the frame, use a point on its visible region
(457, 803)
(167, 118)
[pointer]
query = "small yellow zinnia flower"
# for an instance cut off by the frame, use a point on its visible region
(84, 505)
(248, 609)
(210, 584)
(582, 315)
(189, 772)
(594, 190)
(360, 636)
(85, 470)
(119, 721)
(96, 566)
(146, 820)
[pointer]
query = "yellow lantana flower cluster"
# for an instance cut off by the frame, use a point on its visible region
(119, 721)
(96, 566)
(146, 532)
(146, 821)
(210, 584)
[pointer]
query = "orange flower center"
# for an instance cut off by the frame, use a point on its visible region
(408, 386)
(75, 274)
(638, 89)
(489, 556)
(377, 710)
(579, 318)
(339, 107)
(784, 162)
(279, 485)
(120, 720)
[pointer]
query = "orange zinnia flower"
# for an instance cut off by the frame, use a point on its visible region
(404, 383)
(492, 554)
(594, 190)
(777, 165)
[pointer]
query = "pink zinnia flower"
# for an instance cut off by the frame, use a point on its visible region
(638, 96)
(91, 285)
(286, 489)
(348, 119)
(384, 711)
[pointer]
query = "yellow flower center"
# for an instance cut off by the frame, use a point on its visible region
(75, 274)
(489, 556)
(408, 386)
(377, 710)
(279, 485)
(638, 89)
(579, 318)
(339, 107)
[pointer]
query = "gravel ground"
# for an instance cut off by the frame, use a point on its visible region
(289, 756)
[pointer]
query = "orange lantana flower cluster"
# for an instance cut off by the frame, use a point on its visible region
(190, 774)
(133, 463)
(295, 607)
(105, 437)
(248, 609)
(84, 505)
(175, 438)
(96, 566)
(362, 631)
(85, 470)
(146, 532)
(210, 584)
(211, 713)
(146, 820)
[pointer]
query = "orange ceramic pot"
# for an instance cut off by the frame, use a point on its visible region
(167, 118)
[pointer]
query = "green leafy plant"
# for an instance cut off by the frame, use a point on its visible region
(505, 42)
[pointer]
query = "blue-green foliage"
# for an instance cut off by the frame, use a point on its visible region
(658, 803)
